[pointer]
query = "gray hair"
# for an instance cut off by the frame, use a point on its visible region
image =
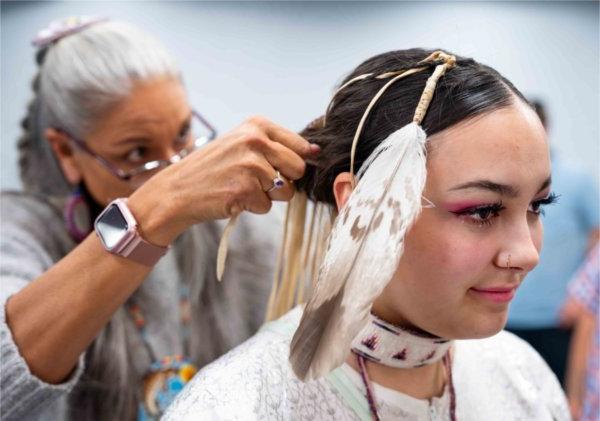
(80, 77)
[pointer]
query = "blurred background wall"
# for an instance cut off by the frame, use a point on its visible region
(282, 60)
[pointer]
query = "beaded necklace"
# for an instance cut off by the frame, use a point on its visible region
(362, 365)
(166, 376)
(394, 346)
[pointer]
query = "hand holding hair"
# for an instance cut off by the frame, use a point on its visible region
(232, 174)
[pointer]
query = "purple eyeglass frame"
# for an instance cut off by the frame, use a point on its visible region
(150, 165)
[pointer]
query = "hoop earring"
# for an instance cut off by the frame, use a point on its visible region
(77, 216)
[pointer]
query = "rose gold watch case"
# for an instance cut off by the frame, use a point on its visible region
(131, 245)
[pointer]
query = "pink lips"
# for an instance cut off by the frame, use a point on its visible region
(497, 295)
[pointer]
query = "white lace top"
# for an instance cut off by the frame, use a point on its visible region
(498, 378)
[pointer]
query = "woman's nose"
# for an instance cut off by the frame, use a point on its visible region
(522, 248)
(169, 154)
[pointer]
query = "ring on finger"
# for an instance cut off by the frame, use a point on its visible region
(278, 182)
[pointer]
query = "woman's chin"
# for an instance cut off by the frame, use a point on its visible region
(488, 325)
(478, 327)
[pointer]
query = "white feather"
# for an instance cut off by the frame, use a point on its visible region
(365, 247)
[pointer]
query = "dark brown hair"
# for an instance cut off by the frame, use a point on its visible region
(540, 110)
(468, 90)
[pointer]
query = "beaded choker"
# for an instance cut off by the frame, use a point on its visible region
(387, 344)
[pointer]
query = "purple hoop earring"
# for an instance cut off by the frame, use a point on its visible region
(77, 215)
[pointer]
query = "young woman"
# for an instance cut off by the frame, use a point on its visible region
(425, 342)
(91, 328)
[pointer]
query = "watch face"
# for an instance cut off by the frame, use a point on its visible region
(112, 227)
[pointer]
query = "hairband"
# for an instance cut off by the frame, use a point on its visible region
(61, 28)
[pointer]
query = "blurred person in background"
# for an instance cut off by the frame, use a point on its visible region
(583, 366)
(570, 230)
(94, 325)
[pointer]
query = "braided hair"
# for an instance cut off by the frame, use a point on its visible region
(79, 77)
(38, 167)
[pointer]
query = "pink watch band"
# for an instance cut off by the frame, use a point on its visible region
(141, 251)
(131, 245)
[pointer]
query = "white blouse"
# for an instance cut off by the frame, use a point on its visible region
(499, 378)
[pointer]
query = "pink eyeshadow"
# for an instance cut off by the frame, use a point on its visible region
(460, 206)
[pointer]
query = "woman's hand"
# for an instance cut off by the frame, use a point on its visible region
(230, 175)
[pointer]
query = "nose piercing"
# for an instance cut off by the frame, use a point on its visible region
(508, 262)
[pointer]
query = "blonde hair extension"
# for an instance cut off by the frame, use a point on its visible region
(306, 255)
(277, 272)
(299, 260)
(302, 249)
(285, 278)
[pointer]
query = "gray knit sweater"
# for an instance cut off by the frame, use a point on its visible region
(106, 382)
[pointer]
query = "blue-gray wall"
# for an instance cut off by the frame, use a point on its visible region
(283, 59)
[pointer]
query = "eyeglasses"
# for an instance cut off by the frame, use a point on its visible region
(200, 130)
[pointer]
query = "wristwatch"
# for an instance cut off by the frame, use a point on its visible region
(118, 232)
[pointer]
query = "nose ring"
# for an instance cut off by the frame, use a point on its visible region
(508, 266)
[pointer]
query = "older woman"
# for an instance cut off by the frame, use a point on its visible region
(405, 321)
(109, 325)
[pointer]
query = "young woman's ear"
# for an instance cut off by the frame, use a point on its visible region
(63, 151)
(342, 188)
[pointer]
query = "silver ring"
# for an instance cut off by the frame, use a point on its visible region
(278, 182)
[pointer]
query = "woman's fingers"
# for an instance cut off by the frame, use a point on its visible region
(259, 202)
(283, 151)
(290, 164)
(273, 183)
(238, 172)
(286, 137)
(282, 193)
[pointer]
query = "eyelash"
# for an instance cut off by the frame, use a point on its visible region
(142, 151)
(182, 139)
(551, 199)
(185, 132)
(494, 210)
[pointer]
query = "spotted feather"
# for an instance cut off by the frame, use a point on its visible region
(364, 249)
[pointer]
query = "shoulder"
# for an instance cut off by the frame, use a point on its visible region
(32, 238)
(13, 199)
(508, 370)
(506, 351)
(19, 209)
(236, 385)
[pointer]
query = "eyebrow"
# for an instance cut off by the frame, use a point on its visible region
(502, 189)
(141, 120)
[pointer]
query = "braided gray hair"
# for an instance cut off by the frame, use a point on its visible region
(80, 77)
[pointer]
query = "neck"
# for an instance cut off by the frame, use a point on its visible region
(424, 382)
(401, 357)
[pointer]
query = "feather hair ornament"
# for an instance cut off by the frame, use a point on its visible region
(384, 204)
(284, 279)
